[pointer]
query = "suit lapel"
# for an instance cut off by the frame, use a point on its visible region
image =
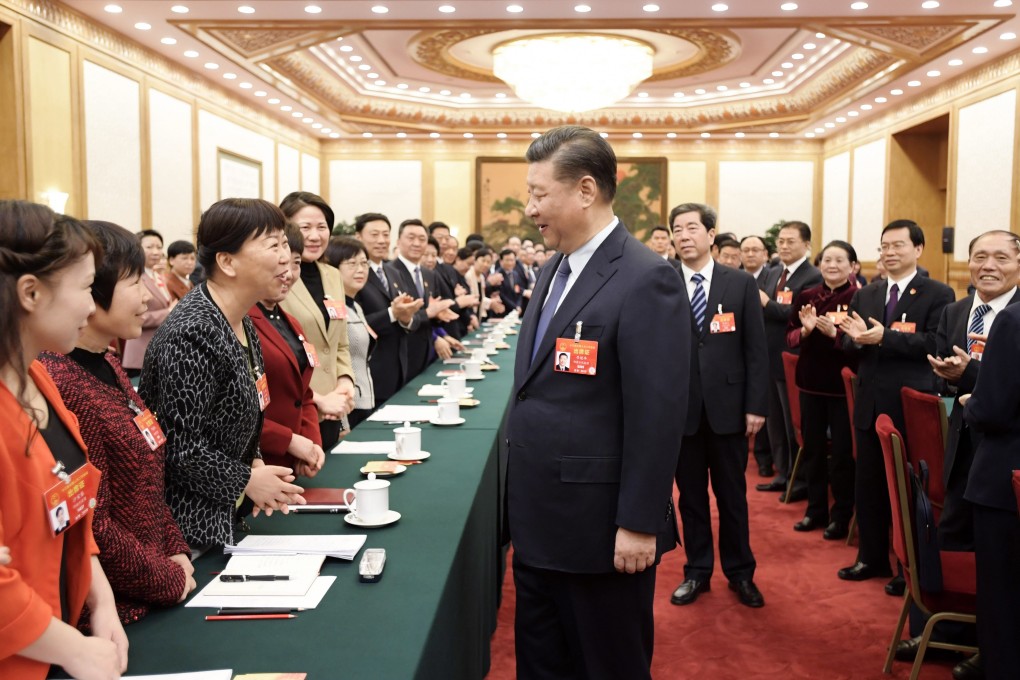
(958, 333)
(720, 279)
(913, 290)
(374, 280)
(530, 322)
(801, 273)
(301, 295)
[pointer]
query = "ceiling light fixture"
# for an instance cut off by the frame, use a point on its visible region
(113, 9)
(372, 76)
(313, 9)
(334, 135)
(315, 126)
(364, 67)
(930, 4)
(190, 54)
(326, 130)
(777, 74)
(797, 56)
(721, 88)
(1009, 35)
(346, 48)
(230, 76)
(401, 135)
(671, 135)
(212, 66)
(380, 83)
(977, 50)
(514, 9)
(820, 36)
(582, 9)
(636, 135)
(720, 7)
(956, 62)
(286, 107)
(914, 83)
(739, 135)
(298, 114)
(469, 135)
(809, 134)
(142, 26)
(500, 95)
(259, 93)
(380, 9)
(880, 100)
(541, 69)
(852, 114)
(706, 135)
(306, 120)
(819, 130)
(447, 9)
(179, 9)
(840, 119)
(768, 81)
(643, 95)
(651, 8)
(788, 6)
(933, 74)
(465, 95)
(401, 86)
(604, 135)
(245, 86)
(810, 46)
(866, 107)
(366, 135)
(424, 89)
(1003, 3)
(858, 5)
(896, 93)
(246, 9)
(830, 125)
(536, 135)
(445, 93)
(773, 135)
(700, 90)
(168, 41)
(355, 58)
(678, 95)
(501, 135)
(787, 64)
(274, 100)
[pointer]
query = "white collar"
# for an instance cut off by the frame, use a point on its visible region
(579, 258)
(407, 263)
(902, 282)
(706, 271)
(997, 304)
(795, 266)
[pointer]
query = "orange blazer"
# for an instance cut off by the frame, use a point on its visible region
(30, 584)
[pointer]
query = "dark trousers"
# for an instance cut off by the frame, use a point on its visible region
(724, 458)
(780, 429)
(583, 626)
(358, 416)
(871, 495)
(330, 431)
(997, 551)
(763, 448)
(827, 465)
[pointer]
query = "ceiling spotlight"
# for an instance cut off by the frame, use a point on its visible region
(274, 100)
(445, 93)
(914, 83)
(246, 9)
(501, 135)
(678, 95)
(777, 74)
(346, 48)
(424, 89)
(179, 9)
(797, 57)
(401, 86)
(896, 93)
(840, 119)
(788, 6)
(191, 54)
(380, 9)
(933, 74)
(113, 9)
(858, 5)
(810, 46)
(603, 135)
(142, 26)
(809, 134)
(671, 135)
(306, 120)
(721, 88)
(1008, 36)
(286, 107)
(745, 84)
(372, 76)
(465, 95)
(297, 114)
(354, 58)
(536, 135)
(651, 8)
(768, 81)
(434, 135)
(786, 64)
(582, 9)
(720, 7)
(637, 135)
(212, 66)
(706, 135)
(866, 107)
(366, 135)
(364, 67)
(313, 9)
(700, 90)
(401, 135)
(326, 130)
(643, 95)
(380, 83)
(447, 9)
(956, 62)
(1003, 3)
(315, 126)
(739, 135)
(334, 135)
(469, 135)
(259, 93)
(976, 50)
(773, 135)
(245, 86)
(830, 125)
(852, 114)
(514, 9)
(880, 100)
(930, 4)
(820, 36)
(230, 76)
(500, 95)
(819, 130)
(168, 41)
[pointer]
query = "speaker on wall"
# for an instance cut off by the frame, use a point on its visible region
(948, 239)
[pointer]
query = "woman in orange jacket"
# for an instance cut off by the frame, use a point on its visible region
(47, 264)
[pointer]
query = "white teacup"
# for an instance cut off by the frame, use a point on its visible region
(449, 409)
(369, 500)
(489, 345)
(480, 355)
(497, 337)
(455, 386)
(408, 441)
(472, 369)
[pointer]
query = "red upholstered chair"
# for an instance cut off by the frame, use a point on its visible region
(850, 386)
(926, 423)
(956, 602)
(793, 394)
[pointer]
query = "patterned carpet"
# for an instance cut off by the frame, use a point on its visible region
(812, 626)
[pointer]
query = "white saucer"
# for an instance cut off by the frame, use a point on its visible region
(422, 455)
(399, 470)
(447, 423)
(391, 517)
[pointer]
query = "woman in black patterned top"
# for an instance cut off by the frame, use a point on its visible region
(204, 378)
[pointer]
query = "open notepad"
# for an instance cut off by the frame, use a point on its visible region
(393, 413)
(343, 547)
(366, 448)
(300, 570)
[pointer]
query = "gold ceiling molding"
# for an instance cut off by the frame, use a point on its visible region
(432, 49)
(251, 42)
(913, 38)
(916, 38)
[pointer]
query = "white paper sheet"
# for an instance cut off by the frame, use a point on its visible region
(393, 413)
(342, 546)
(365, 448)
(302, 570)
(200, 675)
(309, 600)
(437, 391)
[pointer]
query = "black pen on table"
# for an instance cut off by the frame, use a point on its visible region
(240, 578)
(248, 611)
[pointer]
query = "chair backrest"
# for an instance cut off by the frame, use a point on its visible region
(792, 392)
(900, 499)
(926, 423)
(850, 387)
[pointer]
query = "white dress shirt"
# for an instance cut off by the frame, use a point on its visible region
(902, 283)
(706, 284)
(997, 305)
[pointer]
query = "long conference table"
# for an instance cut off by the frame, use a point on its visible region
(433, 612)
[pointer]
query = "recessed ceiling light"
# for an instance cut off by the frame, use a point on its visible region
(246, 9)
(810, 46)
(866, 107)
(786, 64)
(191, 54)
(465, 95)
(306, 120)
(777, 74)
(445, 93)
(316, 126)
(245, 86)
(739, 135)
(651, 8)
(880, 100)
(853, 114)
(721, 88)
(142, 26)
(636, 135)
(380, 9)
(313, 9)
(501, 135)
(582, 9)
(678, 95)
(469, 135)
(334, 135)
(230, 76)
(402, 86)
(603, 135)
(179, 9)
(956, 62)
(168, 41)
(1009, 35)
(113, 9)
(809, 134)
(380, 83)
(447, 9)
(788, 6)
(896, 93)
(346, 48)
(401, 135)
(297, 114)
(830, 125)
(930, 4)
(1003, 3)
(643, 95)
(326, 130)
(671, 135)
(500, 95)
(259, 93)
(706, 135)
(797, 56)
(914, 83)
(286, 107)
(514, 9)
(977, 50)
(773, 134)
(364, 67)
(355, 58)
(745, 84)
(424, 89)
(933, 74)
(858, 5)
(371, 76)
(211, 65)
(840, 119)
(274, 100)
(700, 90)
(819, 130)
(720, 7)
(768, 81)
(434, 135)
(820, 36)
(536, 135)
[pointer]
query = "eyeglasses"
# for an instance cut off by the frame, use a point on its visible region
(355, 264)
(887, 247)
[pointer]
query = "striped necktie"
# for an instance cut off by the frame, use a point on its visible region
(699, 302)
(977, 325)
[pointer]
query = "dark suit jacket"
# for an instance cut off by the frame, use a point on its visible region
(777, 315)
(994, 411)
(291, 408)
(729, 371)
(953, 331)
(902, 358)
(589, 454)
(511, 291)
(388, 362)
(419, 337)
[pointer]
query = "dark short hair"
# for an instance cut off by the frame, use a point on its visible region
(434, 242)
(802, 229)
(465, 253)
(227, 224)
(474, 238)
(412, 222)
(706, 213)
(361, 220)
(764, 244)
(851, 253)
(562, 355)
(916, 233)
(343, 248)
(575, 152)
(474, 245)
(506, 251)
(539, 245)
(180, 248)
(436, 226)
(150, 232)
(295, 239)
(727, 243)
(484, 251)
(661, 227)
(994, 232)
(296, 200)
(122, 257)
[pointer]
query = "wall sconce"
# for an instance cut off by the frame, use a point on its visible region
(56, 200)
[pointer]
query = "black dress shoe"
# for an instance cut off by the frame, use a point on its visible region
(969, 669)
(797, 496)
(748, 593)
(774, 485)
(836, 531)
(860, 571)
(895, 587)
(688, 591)
(765, 470)
(906, 650)
(808, 524)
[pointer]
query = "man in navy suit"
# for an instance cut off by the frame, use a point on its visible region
(891, 327)
(592, 450)
(727, 405)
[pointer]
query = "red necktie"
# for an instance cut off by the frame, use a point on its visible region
(782, 280)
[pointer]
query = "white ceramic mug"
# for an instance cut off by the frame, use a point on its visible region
(449, 409)
(489, 345)
(455, 386)
(480, 355)
(472, 369)
(369, 500)
(408, 440)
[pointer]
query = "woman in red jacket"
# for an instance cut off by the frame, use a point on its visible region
(47, 264)
(142, 550)
(290, 433)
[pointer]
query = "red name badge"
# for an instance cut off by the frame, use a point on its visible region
(837, 317)
(976, 350)
(262, 387)
(784, 297)
(68, 501)
(313, 356)
(576, 356)
(150, 429)
(723, 323)
(904, 326)
(335, 310)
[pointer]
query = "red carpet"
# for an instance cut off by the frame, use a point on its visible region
(813, 625)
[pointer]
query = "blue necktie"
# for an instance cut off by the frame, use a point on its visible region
(977, 325)
(417, 283)
(382, 277)
(699, 302)
(890, 307)
(559, 283)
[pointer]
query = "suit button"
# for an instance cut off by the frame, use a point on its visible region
(297, 403)
(522, 395)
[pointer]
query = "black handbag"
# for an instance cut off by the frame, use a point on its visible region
(929, 562)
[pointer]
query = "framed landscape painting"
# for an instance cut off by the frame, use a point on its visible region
(502, 195)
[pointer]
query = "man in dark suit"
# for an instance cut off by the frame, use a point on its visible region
(754, 253)
(591, 454)
(510, 288)
(727, 405)
(892, 326)
(993, 410)
(782, 285)
(387, 315)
